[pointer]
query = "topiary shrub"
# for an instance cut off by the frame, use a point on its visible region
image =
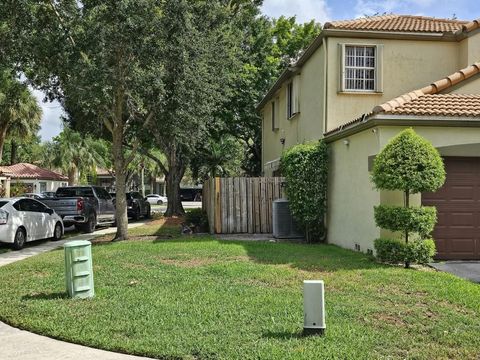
(397, 251)
(411, 164)
(305, 168)
(419, 220)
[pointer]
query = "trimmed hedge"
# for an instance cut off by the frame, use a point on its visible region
(305, 168)
(396, 251)
(421, 220)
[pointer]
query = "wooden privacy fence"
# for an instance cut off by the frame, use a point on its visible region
(241, 205)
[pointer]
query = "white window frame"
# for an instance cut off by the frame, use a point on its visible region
(378, 78)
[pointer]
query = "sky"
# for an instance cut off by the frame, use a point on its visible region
(320, 11)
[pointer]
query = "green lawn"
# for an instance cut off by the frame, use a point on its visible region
(203, 299)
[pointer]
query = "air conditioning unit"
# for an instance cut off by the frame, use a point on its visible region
(284, 226)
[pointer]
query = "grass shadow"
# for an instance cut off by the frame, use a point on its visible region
(46, 296)
(284, 335)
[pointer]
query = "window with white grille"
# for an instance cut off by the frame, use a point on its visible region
(360, 68)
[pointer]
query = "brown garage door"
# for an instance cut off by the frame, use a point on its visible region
(457, 233)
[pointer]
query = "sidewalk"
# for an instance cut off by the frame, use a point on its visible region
(17, 344)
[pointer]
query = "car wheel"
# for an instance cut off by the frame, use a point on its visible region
(91, 224)
(57, 232)
(159, 202)
(20, 238)
(136, 214)
(148, 215)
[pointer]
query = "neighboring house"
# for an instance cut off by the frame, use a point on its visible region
(359, 84)
(153, 184)
(33, 177)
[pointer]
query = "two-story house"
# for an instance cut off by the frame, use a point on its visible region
(359, 84)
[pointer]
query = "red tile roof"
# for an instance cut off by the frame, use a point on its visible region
(427, 101)
(470, 26)
(405, 23)
(431, 89)
(104, 172)
(454, 105)
(30, 171)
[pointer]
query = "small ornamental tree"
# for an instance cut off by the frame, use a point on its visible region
(411, 164)
(305, 168)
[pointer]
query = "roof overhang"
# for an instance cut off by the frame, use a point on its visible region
(401, 120)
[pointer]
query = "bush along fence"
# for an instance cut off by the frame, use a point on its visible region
(305, 167)
(241, 205)
(411, 164)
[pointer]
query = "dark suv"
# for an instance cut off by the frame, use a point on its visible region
(137, 206)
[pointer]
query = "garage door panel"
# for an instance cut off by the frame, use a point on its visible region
(457, 233)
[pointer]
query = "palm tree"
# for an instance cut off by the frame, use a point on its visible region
(74, 154)
(20, 114)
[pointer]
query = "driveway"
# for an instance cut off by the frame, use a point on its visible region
(469, 270)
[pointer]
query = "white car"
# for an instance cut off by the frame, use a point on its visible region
(156, 199)
(25, 219)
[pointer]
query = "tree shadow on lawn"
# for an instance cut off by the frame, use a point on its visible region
(46, 296)
(302, 256)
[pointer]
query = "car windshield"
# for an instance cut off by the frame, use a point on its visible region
(75, 191)
(2, 203)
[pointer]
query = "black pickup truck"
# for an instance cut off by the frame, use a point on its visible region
(86, 207)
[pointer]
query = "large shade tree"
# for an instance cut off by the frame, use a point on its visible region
(198, 55)
(100, 60)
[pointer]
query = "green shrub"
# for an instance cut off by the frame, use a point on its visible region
(305, 168)
(198, 218)
(397, 251)
(420, 220)
(408, 163)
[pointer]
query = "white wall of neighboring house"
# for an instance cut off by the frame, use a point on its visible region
(38, 185)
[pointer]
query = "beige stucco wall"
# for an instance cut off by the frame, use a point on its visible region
(351, 196)
(303, 127)
(469, 50)
(407, 65)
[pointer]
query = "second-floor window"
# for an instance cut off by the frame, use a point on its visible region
(274, 110)
(290, 100)
(361, 68)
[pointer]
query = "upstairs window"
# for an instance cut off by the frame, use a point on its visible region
(274, 111)
(292, 100)
(361, 70)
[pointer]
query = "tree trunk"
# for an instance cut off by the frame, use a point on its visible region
(407, 205)
(13, 152)
(3, 135)
(71, 175)
(176, 170)
(120, 183)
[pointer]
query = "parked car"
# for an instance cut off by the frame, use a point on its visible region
(156, 199)
(48, 193)
(86, 207)
(190, 194)
(33, 196)
(25, 219)
(137, 205)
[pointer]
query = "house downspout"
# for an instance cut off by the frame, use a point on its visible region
(325, 82)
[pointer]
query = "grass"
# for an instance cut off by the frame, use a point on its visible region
(198, 298)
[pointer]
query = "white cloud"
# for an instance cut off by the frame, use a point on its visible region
(370, 7)
(51, 124)
(305, 10)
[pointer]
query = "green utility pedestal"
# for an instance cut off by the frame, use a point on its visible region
(78, 269)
